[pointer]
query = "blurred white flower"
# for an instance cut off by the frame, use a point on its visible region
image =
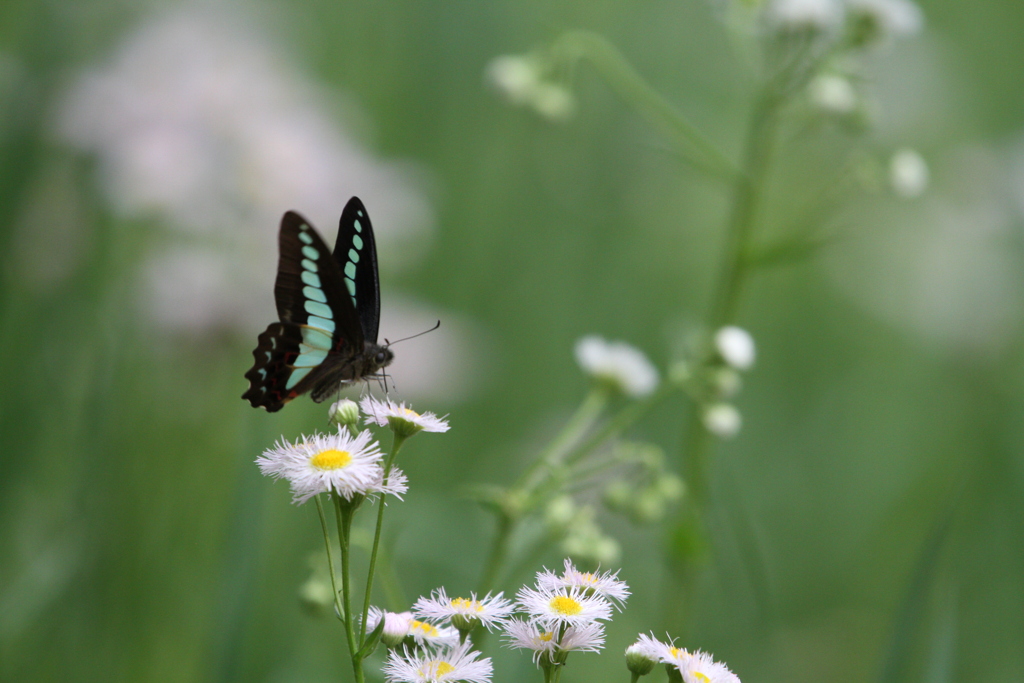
(621, 365)
(514, 76)
(521, 80)
(941, 269)
(736, 347)
(197, 122)
(722, 420)
(885, 18)
(833, 94)
(908, 173)
(804, 15)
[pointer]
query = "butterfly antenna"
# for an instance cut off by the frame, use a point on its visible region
(418, 334)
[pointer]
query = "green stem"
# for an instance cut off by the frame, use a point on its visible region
(621, 77)
(747, 197)
(626, 418)
(538, 473)
(343, 516)
(330, 555)
(578, 425)
(497, 555)
(746, 201)
(396, 445)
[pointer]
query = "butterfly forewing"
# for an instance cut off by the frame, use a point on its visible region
(310, 288)
(356, 255)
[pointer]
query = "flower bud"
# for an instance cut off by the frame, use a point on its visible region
(344, 413)
(908, 174)
(722, 420)
(640, 660)
(736, 347)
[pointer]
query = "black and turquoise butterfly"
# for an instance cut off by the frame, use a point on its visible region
(329, 307)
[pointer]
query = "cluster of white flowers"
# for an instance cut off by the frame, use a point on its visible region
(559, 614)
(521, 80)
(735, 352)
(198, 120)
(693, 667)
(433, 637)
(871, 20)
(563, 613)
(620, 365)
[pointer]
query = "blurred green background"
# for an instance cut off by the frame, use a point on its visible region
(869, 517)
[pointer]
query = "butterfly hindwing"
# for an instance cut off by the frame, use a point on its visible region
(356, 255)
(274, 379)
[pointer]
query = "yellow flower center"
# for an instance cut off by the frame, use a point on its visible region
(463, 603)
(701, 677)
(435, 669)
(331, 459)
(565, 605)
(423, 627)
(410, 413)
(677, 652)
(547, 637)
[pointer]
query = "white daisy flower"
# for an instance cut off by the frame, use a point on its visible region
(396, 625)
(606, 584)
(397, 484)
(528, 635)
(700, 667)
(339, 463)
(464, 614)
(400, 418)
(437, 666)
(571, 605)
(425, 633)
(643, 655)
(617, 363)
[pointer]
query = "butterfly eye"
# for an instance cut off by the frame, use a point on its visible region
(381, 357)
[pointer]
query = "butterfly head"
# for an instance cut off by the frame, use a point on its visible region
(379, 357)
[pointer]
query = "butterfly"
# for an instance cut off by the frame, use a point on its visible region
(329, 306)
